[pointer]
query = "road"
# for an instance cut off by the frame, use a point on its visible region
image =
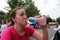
(51, 32)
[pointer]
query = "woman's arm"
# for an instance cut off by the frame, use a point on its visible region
(57, 28)
(41, 36)
(44, 35)
(37, 35)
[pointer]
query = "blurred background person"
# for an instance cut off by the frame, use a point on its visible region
(3, 26)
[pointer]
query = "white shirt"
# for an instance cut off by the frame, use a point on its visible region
(57, 29)
(3, 26)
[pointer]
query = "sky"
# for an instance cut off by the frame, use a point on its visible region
(46, 7)
(49, 7)
(3, 4)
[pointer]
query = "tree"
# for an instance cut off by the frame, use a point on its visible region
(28, 5)
(2, 15)
(48, 19)
(58, 19)
(32, 10)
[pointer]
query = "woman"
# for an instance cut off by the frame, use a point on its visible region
(56, 36)
(19, 30)
(3, 26)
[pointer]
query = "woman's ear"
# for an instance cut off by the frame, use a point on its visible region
(13, 19)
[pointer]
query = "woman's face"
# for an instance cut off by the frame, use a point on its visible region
(20, 17)
(3, 22)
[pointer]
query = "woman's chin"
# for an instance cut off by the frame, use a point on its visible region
(24, 24)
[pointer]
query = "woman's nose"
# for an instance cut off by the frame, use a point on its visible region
(25, 16)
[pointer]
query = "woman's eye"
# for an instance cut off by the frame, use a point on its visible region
(22, 14)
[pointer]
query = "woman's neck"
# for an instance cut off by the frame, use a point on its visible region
(18, 28)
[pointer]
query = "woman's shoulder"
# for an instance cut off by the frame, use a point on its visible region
(7, 29)
(29, 28)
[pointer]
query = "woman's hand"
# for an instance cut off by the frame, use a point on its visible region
(41, 20)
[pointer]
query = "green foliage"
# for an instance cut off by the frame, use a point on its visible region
(49, 19)
(2, 15)
(32, 10)
(58, 19)
(15, 3)
(28, 5)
